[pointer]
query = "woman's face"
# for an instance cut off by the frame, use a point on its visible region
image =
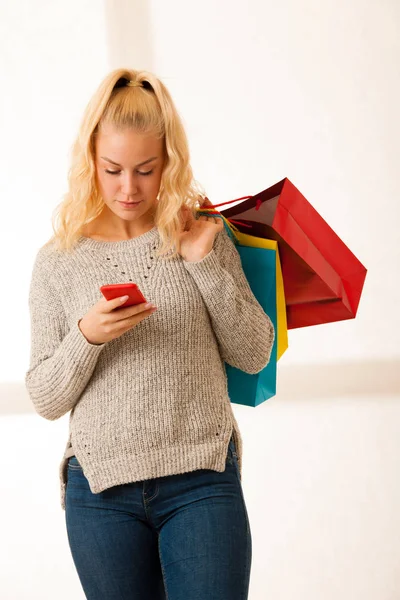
(129, 167)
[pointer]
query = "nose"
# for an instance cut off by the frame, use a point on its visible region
(129, 185)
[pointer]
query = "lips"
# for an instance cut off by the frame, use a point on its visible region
(129, 204)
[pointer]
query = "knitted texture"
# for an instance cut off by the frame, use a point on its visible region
(153, 402)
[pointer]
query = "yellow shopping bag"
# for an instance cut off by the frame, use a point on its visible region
(255, 242)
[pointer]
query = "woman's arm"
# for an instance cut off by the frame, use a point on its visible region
(61, 361)
(244, 331)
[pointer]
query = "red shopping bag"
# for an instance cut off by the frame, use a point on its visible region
(323, 280)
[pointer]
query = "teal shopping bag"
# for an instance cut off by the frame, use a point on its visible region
(259, 266)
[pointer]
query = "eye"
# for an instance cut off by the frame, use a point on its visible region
(144, 173)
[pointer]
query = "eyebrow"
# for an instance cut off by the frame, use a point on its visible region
(139, 165)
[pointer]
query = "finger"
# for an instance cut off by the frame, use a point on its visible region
(119, 303)
(129, 322)
(206, 202)
(186, 217)
(216, 220)
(109, 305)
(211, 217)
(127, 314)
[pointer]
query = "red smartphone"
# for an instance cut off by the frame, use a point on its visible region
(116, 290)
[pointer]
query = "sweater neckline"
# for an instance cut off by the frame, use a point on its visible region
(139, 240)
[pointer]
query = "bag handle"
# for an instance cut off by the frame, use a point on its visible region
(229, 223)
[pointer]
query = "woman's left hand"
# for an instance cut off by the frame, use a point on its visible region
(197, 237)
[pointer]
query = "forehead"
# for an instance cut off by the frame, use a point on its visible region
(126, 145)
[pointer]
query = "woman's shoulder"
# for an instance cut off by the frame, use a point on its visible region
(49, 258)
(45, 254)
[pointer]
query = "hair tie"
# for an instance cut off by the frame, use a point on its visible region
(134, 83)
(125, 82)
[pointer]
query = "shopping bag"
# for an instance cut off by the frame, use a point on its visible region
(261, 266)
(242, 239)
(323, 280)
(281, 329)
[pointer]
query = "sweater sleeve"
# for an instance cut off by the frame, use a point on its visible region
(61, 359)
(244, 331)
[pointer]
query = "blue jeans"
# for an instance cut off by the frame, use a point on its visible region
(181, 537)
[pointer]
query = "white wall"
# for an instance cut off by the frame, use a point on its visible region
(307, 90)
(52, 58)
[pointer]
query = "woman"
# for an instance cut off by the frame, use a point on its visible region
(151, 475)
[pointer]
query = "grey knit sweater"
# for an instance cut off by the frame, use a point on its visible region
(153, 402)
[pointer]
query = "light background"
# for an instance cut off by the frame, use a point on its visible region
(302, 89)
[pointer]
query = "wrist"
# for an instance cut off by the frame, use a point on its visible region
(195, 257)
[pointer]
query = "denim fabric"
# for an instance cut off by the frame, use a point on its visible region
(181, 537)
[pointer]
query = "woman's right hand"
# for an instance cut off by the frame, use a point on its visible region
(102, 323)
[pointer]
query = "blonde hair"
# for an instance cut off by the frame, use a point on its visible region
(128, 99)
